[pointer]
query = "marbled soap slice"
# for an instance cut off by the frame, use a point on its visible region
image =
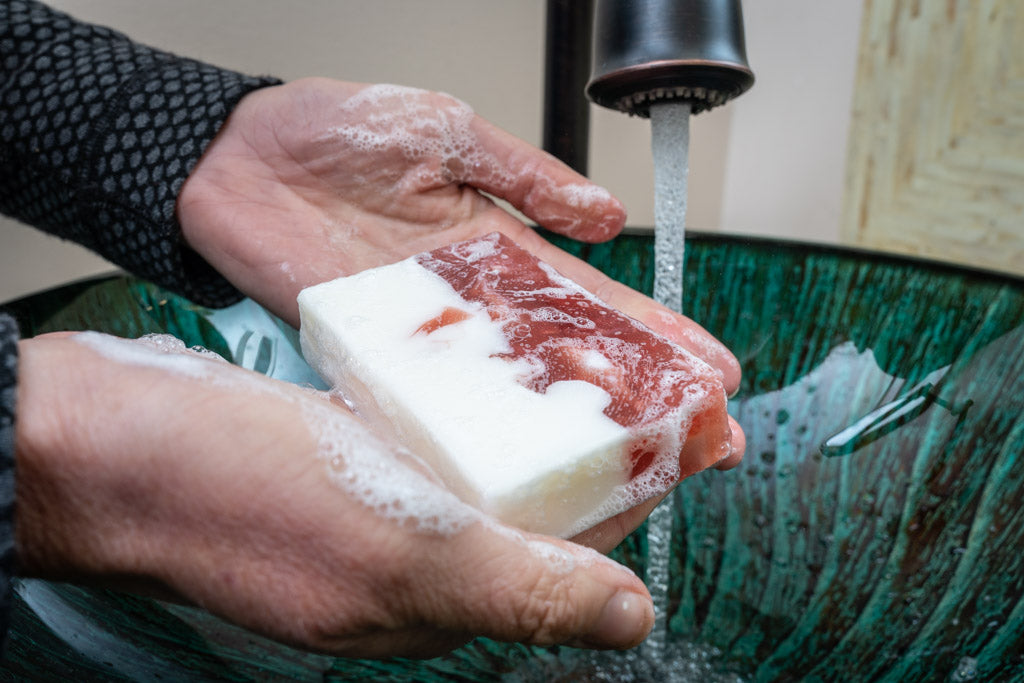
(529, 397)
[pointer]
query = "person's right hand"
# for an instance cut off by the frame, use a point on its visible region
(169, 472)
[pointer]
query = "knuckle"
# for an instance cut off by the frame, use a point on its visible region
(543, 610)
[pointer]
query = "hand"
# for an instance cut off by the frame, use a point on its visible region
(165, 471)
(317, 179)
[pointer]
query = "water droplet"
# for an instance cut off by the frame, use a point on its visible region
(966, 669)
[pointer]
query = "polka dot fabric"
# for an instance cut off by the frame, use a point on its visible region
(97, 136)
(8, 368)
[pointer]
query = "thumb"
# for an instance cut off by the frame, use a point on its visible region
(517, 587)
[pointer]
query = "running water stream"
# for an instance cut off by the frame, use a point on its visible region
(659, 658)
(670, 145)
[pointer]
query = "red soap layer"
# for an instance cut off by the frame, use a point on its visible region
(670, 400)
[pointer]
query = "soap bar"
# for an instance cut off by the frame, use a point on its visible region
(529, 397)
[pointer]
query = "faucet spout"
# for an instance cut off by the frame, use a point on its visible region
(650, 50)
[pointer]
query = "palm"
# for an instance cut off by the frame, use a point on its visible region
(308, 183)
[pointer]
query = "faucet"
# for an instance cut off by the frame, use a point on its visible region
(651, 50)
(643, 51)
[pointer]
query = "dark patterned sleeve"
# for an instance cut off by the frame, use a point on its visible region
(97, 136)
(8, 368)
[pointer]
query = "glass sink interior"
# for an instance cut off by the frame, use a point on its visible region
(875, 528)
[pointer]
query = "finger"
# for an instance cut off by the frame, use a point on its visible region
(739, 446)
(611, 532)
(512, 586)
(542, 187)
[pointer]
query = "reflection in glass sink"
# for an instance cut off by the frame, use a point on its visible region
(260, 341)
(874, 529)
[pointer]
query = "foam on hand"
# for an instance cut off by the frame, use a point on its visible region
(370, 470)
(420, 126)
(529, 397)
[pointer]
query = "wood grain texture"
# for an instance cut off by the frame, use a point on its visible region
(935, 165)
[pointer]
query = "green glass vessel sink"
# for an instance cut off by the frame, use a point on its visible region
(874, 531)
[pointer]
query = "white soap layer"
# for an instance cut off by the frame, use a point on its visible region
(539, 461)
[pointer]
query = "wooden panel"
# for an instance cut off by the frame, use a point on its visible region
(935, 164)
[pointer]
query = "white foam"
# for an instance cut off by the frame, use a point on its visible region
(551, 314)
(421, 126)
(583, 196)
(154, 350)
(597, 361)
(375, 473)
(472, 251)
(383, 477)
(564, 206)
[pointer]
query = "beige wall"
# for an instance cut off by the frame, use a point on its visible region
(770, 163)
(936, 165)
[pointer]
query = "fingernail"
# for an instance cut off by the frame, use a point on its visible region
(625, 621)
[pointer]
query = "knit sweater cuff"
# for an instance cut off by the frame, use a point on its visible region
(169, 112)
(97, 136)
